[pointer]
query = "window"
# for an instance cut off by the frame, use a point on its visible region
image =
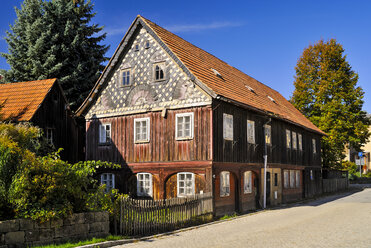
(267, 134)
(292, 178)
(159, 71)
(297, 179)
(224, 183)
(300, 141)
(228, 127)
(125, 77)
(288, 139)
(105, 133)
(147, 45)
(247, 183)
(250, 132)
(186, 184)
(184, 126)
(109, 180)
(141, 130)
(294, 141)
(285, 179)
(136, 47)
(144, 184)
(50, 135)
(311, 175)
(314, 145)
(275, 179)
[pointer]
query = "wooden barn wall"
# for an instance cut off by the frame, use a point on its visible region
(53, 114)
(240, 151)
(162, 147)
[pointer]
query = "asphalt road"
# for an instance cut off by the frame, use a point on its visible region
(335, 221)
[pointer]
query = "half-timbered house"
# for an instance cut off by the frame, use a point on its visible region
(182, 121)
(43, 104)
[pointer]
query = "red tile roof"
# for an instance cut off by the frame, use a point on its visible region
(21, 100)
(233, 84)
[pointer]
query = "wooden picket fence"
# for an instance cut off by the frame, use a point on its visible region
(145, 217)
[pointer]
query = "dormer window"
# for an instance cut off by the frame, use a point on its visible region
(125, 77)
(159, 71)
(250, 89)
(216, 73)
(271, 98)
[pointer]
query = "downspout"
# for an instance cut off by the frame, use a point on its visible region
(265, 166)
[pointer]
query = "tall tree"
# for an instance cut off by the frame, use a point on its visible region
(326, 92)
(55, 39)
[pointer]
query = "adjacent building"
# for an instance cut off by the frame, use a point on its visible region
(181, 122)
(44, 104)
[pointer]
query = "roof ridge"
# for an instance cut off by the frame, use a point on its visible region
(145, 19)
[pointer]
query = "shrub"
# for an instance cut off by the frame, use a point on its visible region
(50, 188)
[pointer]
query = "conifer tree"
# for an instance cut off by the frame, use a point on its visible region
(326, 92)
(55, 39)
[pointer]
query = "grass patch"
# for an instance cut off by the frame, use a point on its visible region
(227, 216)
(86, 242)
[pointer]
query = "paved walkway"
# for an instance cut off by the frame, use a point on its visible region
(335, 221)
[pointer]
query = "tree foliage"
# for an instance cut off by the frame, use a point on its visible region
(54, 39)
(326, 92)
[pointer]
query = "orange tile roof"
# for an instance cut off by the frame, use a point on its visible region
(232, 84)
(21, 100)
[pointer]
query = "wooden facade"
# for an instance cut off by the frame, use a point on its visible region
(196, 83)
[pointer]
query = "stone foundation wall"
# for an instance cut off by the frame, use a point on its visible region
(26, 233)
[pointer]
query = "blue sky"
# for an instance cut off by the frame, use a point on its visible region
(264, 39)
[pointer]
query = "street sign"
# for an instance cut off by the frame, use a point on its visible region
(360, 154)
(358, 162)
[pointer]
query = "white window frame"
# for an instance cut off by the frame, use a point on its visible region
(286, 179)
(162, 67)
(314, 146)
(185, 184)
(150, 187)
(225, 183)
(300, 142)
(104, 134)
(292, 179)
(191, 115)
(122, 77)
(247, 182)
(227, 131)
(297, 179)
(294, 141)
(288, 139)
(109, 182)
(140, 120)
(250, 132)
(268, 134)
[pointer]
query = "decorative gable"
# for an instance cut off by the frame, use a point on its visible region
(144, 90)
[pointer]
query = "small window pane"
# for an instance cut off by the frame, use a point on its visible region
(300, 141)
(250, 132)
(144, 184)
(292, 178)
(288, 139)
(185, 184)
(247, 182)
(184, 126)
(228, 127)
(224, 183)
(294, 141)
(285, 179)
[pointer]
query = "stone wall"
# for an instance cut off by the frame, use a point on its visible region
(25, 233)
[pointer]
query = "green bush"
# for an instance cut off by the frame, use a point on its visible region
(48, 187)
